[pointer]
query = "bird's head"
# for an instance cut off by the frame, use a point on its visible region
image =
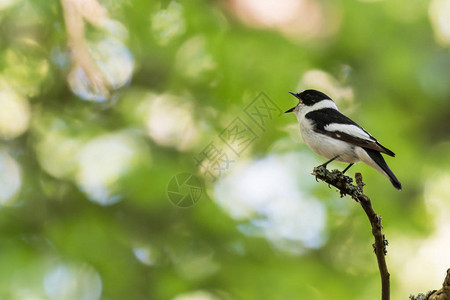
(308, 98)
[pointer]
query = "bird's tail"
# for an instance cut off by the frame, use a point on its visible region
(381, 163)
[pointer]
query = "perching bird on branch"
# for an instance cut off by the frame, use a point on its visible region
(336, 137)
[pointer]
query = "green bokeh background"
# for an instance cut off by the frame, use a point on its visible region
(197, 65)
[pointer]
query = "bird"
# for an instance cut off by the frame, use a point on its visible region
(336, 137)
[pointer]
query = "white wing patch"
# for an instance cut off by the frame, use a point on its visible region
(326, 103)
(349, 129)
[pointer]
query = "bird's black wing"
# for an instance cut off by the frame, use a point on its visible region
(332, 123)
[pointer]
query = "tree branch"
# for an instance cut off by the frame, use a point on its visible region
(442, 294)
(345, 186)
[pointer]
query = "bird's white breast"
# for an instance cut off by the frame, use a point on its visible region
(323, 145)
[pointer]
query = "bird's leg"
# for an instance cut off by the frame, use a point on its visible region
(325, 164)
(348, 167)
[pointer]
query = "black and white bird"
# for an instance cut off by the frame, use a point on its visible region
(336, 137)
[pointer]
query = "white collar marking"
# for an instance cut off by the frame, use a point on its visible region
(317, 106)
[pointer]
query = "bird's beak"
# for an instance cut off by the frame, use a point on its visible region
(290, 110)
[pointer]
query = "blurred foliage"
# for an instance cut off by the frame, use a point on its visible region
(85, 166)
